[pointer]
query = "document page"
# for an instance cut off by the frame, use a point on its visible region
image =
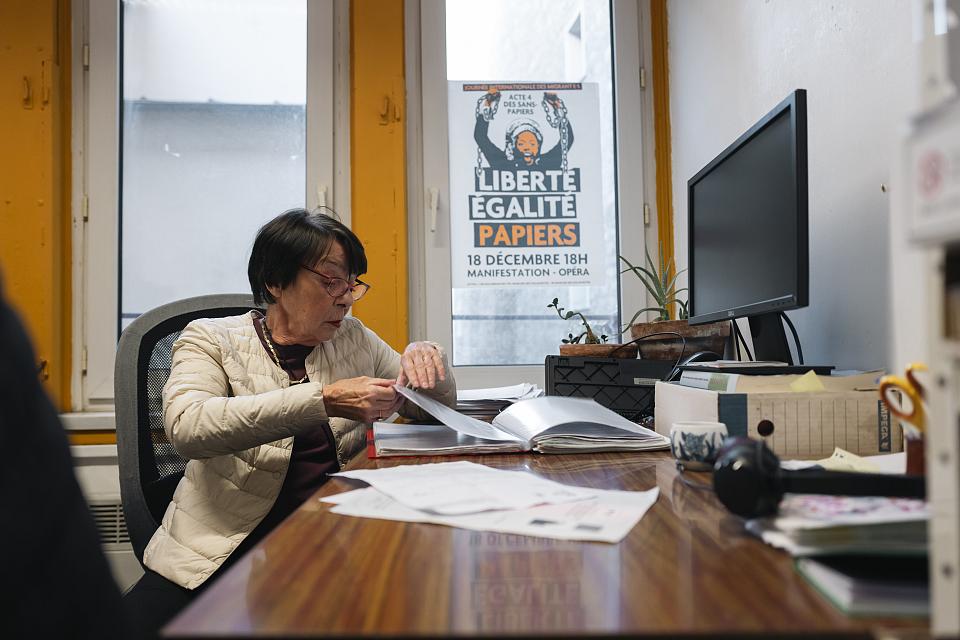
(392, 439)
(456, 420)
(579, 419)
(465, 487)
(607, 517)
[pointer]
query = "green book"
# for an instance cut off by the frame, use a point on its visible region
(871, 585)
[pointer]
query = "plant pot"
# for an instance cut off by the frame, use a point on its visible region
(701, 337)
(599, 350)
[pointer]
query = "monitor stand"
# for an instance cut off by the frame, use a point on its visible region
(769, 338)
(769, 344)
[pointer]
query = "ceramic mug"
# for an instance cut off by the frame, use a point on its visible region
(695, 444)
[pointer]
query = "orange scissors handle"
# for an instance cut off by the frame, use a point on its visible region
(912, 378)
(915, 415)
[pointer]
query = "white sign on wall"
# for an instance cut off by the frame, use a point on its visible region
(933, 171)
(525, 199)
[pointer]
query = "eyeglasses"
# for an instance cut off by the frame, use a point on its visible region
(337, 287)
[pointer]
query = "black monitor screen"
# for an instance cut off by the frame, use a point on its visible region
(748, 221)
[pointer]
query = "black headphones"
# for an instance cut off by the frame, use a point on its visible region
(749, 481)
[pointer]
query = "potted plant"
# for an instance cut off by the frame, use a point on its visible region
(587, 342)
(661, 284)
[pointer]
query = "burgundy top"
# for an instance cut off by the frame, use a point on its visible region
(314, 454)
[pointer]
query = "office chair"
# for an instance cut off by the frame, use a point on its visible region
(150, 467)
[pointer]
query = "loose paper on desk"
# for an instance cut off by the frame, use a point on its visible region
(607, 517)
(843, 460)
(465, 487)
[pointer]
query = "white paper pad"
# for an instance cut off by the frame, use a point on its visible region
(608, 517)
(451, 488)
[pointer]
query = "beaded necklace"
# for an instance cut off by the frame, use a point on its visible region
(273, 351)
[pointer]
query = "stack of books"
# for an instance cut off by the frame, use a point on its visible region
(871, 585)
(867, 555)
(813, 525)
(484, 404)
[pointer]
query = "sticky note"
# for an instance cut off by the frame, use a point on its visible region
(807, 382)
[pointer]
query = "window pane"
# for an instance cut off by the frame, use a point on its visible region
(536, 41)
(214, 129)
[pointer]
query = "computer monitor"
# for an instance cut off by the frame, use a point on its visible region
(747, 224)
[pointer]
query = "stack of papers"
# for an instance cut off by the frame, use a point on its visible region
(473, 496)
(486, 403)
(810, 525)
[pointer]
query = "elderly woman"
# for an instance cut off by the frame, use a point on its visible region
(266, 406)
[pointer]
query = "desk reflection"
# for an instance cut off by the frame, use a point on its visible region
(687, 567)
(503, 582)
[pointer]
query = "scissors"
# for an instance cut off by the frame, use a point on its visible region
(910, 387)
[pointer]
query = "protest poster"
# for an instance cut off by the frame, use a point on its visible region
(525, 184)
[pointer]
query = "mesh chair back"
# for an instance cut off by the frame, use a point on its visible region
(150, 467)
(166, 460)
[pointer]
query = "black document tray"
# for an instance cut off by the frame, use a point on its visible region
(623, 385)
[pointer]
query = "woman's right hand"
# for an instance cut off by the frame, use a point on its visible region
(364, 399)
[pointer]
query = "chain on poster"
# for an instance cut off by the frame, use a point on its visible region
(525, 199)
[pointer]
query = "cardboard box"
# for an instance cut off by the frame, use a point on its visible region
(845, 413)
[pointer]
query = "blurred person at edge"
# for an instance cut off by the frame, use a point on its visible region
(55, 580)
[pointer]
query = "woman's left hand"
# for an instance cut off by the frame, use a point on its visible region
(421, 365)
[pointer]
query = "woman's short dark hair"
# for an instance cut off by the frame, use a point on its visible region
(294, 238)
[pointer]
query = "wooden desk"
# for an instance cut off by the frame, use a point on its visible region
(687, 567)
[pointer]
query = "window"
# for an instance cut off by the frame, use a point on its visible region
(492, 326)
(213, 141)
(213, 118)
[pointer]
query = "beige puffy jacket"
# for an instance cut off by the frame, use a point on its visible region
(233, 413)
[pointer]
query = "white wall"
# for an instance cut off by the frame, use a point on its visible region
(732, 61)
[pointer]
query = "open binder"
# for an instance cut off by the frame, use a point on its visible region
(548, 424)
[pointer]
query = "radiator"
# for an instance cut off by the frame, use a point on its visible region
(99, 477)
